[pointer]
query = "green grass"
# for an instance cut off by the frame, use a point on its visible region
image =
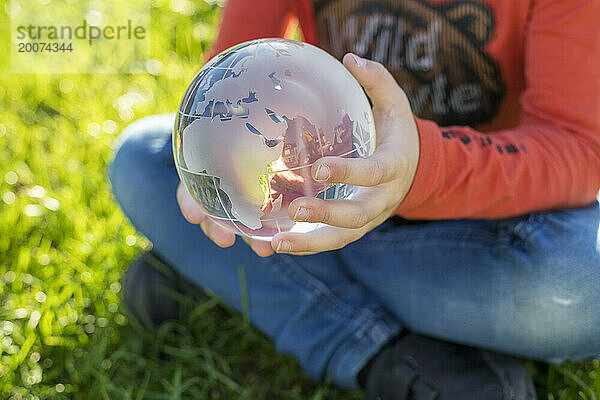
(64, 245)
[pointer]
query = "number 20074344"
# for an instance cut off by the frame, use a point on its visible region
(40, 47)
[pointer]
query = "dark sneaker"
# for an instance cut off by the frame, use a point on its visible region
(153, 292)
(415, 367)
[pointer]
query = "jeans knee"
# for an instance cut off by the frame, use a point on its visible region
(135, 150)
(558, 310)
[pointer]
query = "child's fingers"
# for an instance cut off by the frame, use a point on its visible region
(191, 210)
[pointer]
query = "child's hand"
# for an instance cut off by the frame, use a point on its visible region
(195, 214)
(388, 173)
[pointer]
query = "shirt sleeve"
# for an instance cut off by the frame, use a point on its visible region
(551, 159)
(244, 20)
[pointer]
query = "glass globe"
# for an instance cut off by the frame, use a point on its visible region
(252, 123)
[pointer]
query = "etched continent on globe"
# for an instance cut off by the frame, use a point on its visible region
(254, 120)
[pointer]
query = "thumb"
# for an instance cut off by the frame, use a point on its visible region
(379, 84)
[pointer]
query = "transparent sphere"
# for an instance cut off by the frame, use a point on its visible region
(252, 123)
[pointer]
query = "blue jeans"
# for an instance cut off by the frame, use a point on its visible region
(528, 286)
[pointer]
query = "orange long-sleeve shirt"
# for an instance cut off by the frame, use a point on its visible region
(506, 94)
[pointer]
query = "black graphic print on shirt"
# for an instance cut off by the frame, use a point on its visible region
(435, 52)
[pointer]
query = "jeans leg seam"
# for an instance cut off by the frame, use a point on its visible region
(368, 328)
(368, 322)
(322, 293)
